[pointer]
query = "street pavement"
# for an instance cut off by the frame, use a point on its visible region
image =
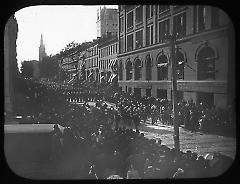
(198, 142)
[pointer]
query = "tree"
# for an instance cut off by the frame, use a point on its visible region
(49, 67)
(27, 69)
(63, 75)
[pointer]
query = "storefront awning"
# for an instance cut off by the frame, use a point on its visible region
(112, 77)
(90, 75)
(72, 80)
(112, 63)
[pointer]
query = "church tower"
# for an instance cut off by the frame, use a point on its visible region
(42, 52)
(107, 19)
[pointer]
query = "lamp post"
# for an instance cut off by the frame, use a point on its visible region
(174, 95)
(172, 39)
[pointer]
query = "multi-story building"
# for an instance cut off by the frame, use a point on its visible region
(100, 57)
(107, 54)
(104, 48)
(91, 60)
(70, 64)
(73, 60)
(107, 21)
(203, 51)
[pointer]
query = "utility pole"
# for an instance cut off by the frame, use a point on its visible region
(174, 84)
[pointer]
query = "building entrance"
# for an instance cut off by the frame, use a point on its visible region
(148, 92)
(129, 90)
(137, 92)
(162, 93)
(205, 98)
(179, 95)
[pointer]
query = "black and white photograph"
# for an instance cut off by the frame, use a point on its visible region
(99, 92)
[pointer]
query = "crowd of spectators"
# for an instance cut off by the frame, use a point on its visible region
(96, 144)
(96, 149)
(42, 101)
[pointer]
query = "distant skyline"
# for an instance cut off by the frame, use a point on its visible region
(59, 25)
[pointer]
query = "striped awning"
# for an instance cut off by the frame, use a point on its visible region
(112, 77)
(90, 74)
(71, 80)
(109, 80)
(112, 63)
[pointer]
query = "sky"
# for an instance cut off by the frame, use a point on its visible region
(59, 26)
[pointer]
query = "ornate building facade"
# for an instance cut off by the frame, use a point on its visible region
(107, 54)
(202, 52)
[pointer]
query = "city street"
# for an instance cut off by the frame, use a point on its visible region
(118, 85)
(198, 142)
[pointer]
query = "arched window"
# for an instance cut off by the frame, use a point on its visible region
(137, 69)
(148, 68)
(162, 67)
(128, 70)
(180, 65)
(206, 64)
(120, 75)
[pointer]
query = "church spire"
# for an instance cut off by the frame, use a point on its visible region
(41, 41)
(42, 52)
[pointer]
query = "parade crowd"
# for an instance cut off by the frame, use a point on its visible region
(96, 144)
(192, 116)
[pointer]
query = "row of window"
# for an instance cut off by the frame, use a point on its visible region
(179, 29)
(106, 51)
(104, 64)
(163, 28)
(205, 67)
(109, 50)
(162, 69)
(91, 52)
(199, 16)
(139, 15)
(90, 63)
